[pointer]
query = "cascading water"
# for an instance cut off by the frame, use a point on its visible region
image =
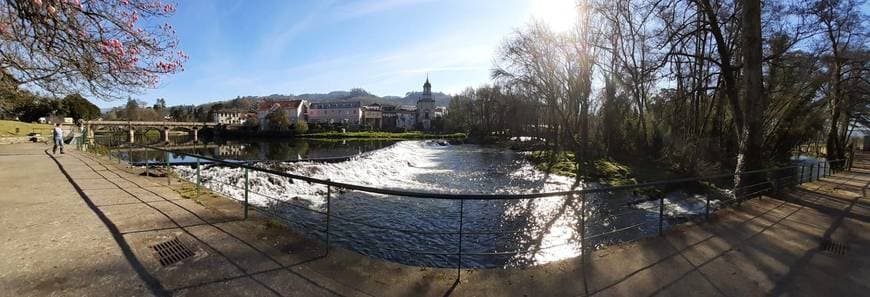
(495, 233)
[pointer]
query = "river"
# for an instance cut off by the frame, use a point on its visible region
(418, 231)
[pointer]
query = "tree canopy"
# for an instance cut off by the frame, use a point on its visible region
(105, 48)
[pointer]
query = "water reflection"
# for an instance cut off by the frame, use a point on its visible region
(241, 150)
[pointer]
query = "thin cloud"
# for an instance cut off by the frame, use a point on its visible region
(366, 7)
(274, 44)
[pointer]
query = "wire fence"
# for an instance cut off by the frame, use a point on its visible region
(616, 220)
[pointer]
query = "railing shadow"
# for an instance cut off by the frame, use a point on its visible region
(156, 287)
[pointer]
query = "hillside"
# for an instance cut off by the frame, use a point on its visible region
(410, 98)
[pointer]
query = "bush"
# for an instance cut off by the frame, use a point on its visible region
(301, 127)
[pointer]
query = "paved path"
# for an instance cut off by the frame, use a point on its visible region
(73, 225)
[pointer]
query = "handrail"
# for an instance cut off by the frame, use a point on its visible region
(472, 196)
(770, 183)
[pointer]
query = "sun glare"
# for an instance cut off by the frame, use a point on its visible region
(560, 15)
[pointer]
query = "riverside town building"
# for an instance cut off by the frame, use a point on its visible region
(353, 113)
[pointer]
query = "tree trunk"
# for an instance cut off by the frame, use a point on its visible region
(750, 138)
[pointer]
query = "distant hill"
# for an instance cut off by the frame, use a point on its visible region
(250, 102)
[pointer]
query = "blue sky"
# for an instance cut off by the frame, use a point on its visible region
(242, 48)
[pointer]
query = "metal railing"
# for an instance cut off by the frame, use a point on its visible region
(763, 181)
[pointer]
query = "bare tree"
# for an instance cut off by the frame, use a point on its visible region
(843, 25)
(556, 70)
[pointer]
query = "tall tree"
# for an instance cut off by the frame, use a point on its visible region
(843, 24)
(754, 103)
(131, 110)
(79, 108)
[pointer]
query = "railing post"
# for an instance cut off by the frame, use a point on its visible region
(707, 209)
(851, 158)
(459, 249)
(166, 161)
(661, 212)
(246, 193)
(583, 244)
(801, 179)
(130, 156)
(328, 214)
(198, 185)
(147, 162)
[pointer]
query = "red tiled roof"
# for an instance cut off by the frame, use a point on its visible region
(271, 105)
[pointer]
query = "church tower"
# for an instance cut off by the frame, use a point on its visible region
(427, 90)
(426, 107)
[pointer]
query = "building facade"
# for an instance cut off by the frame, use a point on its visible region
(373, 116)
(406, 117)
(336, 112)
(388, 117)
(230, 117)
(296, 110)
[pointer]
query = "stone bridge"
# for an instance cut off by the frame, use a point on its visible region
(163, 127)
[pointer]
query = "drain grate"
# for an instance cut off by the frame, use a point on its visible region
(171, 251)
(834, 247)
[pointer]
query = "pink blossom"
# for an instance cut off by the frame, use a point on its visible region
(37, 2)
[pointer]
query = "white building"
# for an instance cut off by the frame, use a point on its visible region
(336, 112)
(229, 117)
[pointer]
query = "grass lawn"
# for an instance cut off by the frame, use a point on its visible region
(382, 135)
(7, 128)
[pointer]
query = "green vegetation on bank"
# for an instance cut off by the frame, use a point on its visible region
(383, 135)
(602, 170)
(8, 128)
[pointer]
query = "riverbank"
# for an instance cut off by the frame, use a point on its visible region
(21, 129)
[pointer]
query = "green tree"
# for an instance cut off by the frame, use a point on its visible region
(300, 127)
(279, 120)
(79, 108)
(131, 110)
(252, 123)
(35, 109)
(160, 107)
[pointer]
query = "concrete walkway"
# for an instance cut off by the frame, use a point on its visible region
(75, 225)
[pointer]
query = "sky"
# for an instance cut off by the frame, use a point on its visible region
(241, 48)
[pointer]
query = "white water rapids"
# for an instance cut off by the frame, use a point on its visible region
(547, 226)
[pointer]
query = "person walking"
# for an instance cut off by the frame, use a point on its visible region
(58, 139)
